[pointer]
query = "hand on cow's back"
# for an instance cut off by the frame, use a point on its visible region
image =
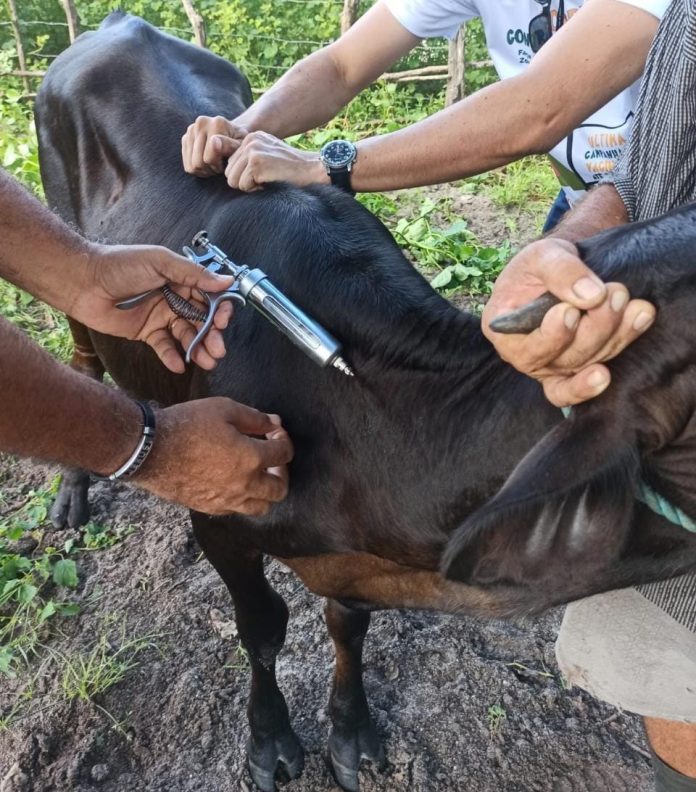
(592, 323)
(217, 456)
(213, 145)
(263, 158)
(208, 143)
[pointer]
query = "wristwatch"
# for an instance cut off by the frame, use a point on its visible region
(338, 157)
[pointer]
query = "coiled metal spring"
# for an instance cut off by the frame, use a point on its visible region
(182, 307)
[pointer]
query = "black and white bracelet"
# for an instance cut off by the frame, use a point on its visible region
(142, 450)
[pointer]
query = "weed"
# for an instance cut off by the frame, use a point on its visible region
(88, 674)
(44, 325)
(25, 581)
(466, 265)
(241, 660)
(496, 718)
(96, 536)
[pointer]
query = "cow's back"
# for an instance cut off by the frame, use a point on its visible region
(110, 115)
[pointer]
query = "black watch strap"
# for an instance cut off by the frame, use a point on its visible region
(340, 177)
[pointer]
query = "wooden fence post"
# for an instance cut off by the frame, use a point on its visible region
(73, 19)
(197, 22)
(14, 21)
(351, 8)
(455, 68)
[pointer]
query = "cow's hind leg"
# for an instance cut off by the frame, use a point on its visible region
(262, 617)
(353, 736)
(71, 506)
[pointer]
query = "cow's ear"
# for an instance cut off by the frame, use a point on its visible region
(567, 507)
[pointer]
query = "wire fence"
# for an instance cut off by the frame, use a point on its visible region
(23, 41)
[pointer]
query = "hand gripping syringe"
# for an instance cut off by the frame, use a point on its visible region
(253, 286)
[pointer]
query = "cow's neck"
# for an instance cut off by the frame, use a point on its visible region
(446, 426)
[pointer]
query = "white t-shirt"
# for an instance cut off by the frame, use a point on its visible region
(594, 147)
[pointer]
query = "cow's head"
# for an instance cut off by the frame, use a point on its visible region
(567, 520)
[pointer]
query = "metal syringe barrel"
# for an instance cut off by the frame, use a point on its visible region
(294, 323)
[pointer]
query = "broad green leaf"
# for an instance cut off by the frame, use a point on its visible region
(65, 572)
(6, 658)
(27, 592)
(10, 157)
(11, 585)
(462, 272)
(47, 611)
(456, 228)
(15, 532)
(443, 279)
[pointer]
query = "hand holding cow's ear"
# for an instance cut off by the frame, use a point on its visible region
(208, 143)
(593, 323)
(116, 272)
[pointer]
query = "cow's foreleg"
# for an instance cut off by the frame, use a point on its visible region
(353, 736)
(261, 616)
(71, 506)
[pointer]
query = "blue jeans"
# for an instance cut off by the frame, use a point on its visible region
(558, 209)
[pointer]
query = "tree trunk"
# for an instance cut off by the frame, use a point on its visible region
(349, 14)
(73, 19)
(14, 21)
(455, 68)
(197, 22)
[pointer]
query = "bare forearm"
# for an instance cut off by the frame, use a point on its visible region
(307, 96)
(459, 141)
(314, 90)
(600, 209)
(51, 412)
(491, 128)
(39, 253)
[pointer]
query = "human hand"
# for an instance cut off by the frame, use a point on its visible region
(594, 322)
(208, 457)
(116, 272)
(263, 158)
(208, 143)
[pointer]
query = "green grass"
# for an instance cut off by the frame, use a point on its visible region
(86, 675)
(43, 324)
(529, 183)
(39, 587)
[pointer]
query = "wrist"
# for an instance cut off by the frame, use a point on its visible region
(124, 441)
(317, 171)
(141, 451)
(81, 280)
(163, 450)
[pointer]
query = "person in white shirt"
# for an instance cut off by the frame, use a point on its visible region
(574, 98)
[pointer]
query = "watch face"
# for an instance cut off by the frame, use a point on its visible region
(338, 153)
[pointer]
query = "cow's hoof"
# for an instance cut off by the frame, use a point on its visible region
(281, 755)
(71, 507)
(348, 748)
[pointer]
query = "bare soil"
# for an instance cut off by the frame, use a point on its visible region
(431, 681)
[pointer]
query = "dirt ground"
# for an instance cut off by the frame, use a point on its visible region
(431, 682)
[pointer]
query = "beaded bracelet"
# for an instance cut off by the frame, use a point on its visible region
(136, 459)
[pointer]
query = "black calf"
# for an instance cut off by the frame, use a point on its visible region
(389, 464)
